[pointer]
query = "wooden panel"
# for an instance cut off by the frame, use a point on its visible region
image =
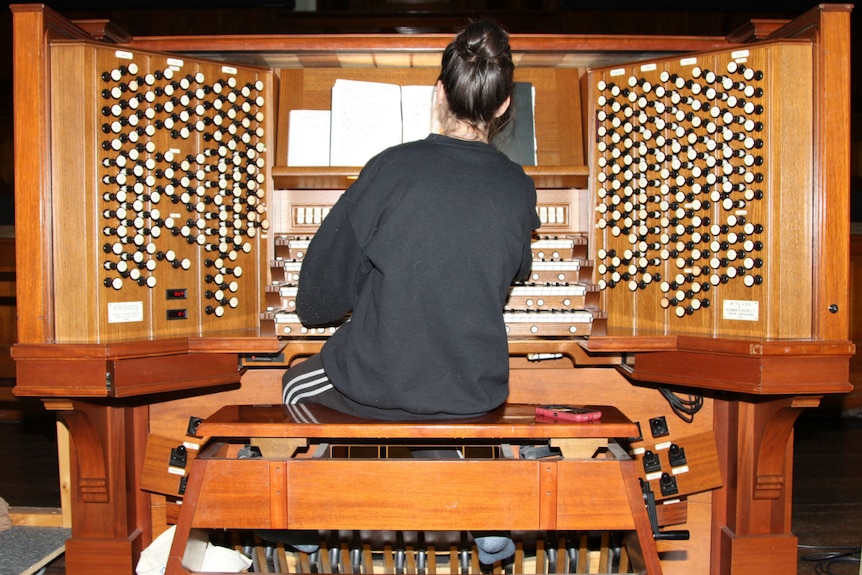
(8, 307)
(752, 374)
(145, 375)
(557, 115)
(162, 475)
(107, 376)
(744, 554)
(511, 421)
(450, 495)
(105, 557)
(32, 169)
(791, 173)
(170, 417)
(684, 557)
(592, 496)
(699, 472)
(160, 228)
(77, 232)
(604, 386)
(706, 205)
(558, 127)
(571, 130)
(73, 378)
(220, 503)
(829, 26)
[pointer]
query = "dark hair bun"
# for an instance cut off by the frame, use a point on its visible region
(483, 40)
(477, 75)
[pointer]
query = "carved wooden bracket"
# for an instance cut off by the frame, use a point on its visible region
(771, 460)
(90, 456)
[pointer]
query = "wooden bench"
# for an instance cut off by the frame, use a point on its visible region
(592, 485)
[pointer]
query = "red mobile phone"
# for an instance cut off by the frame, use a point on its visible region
(568, 412)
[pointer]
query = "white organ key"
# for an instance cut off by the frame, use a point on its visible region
(573, 265)
(287, 323)
(288, 291)
(548, 323)
(548, 290)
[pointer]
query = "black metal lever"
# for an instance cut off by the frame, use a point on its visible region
(652, 513)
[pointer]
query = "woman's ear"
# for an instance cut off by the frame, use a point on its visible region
(503, 107)
(439, 93)
(438, 105)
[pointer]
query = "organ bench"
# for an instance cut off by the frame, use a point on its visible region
(592, 485)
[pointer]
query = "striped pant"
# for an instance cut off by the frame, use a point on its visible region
(306, 382)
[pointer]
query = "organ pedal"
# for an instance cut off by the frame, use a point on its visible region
(430, 553)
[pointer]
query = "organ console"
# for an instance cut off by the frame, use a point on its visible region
(693, 194)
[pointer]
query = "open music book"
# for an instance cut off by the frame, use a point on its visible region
(368, 117)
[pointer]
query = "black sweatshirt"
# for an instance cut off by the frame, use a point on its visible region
(421, 251)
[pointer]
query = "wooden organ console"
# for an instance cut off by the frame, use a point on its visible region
(693, 193)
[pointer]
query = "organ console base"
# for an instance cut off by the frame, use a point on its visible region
(744, 553)
(103, 556)
(326, 487)
(107, 533)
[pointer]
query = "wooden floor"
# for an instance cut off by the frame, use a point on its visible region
(827, 512)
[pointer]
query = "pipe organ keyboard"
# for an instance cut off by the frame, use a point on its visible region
(558, 300)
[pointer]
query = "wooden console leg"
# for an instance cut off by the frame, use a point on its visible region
(752, 513)
(111, 524)
(188, 548)
(645, 537)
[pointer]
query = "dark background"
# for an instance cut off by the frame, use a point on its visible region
(184, 17)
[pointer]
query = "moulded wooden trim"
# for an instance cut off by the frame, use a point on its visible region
(528, 43)
(745, 374)
(340, 177)
(756, 29)
(244, 341)
(103, 30)
(636, 343)
(510, 421)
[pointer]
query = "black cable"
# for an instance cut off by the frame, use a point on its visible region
(686, 408)
(830, 556)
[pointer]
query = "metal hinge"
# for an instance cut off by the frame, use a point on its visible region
(109, 384)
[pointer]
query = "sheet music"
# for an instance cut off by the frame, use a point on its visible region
(416, 103)
(366, 119)
(308, 138)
